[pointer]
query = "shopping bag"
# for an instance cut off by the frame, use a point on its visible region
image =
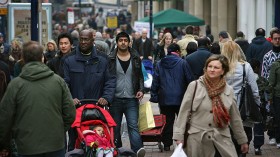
(148, 82)
(146, 118)
(179, 152)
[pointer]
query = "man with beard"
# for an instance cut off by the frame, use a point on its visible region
(87, 75)
(125, 64)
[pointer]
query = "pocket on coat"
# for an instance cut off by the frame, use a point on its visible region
(76, 70)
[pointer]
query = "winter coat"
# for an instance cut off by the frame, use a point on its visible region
(203, 134)
(258, 48)
(137, 77)
(236, 80)
(56, 64)
(103, 142)
(170, 81)
(244, 44)
(183, 43)
(36, 110)
(197, 60)
(274, 81)
(88, 77)
(145, 49)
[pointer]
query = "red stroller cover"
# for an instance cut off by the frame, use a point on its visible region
(79, 111)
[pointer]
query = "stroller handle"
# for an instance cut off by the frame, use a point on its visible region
(91, 101)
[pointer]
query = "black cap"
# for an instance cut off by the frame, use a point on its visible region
(122, 34)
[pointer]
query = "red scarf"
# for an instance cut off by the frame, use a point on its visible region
(220, 113)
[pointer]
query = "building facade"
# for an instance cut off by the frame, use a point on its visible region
(221, 15)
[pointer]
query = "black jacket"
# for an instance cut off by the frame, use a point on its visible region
(138, 79)
(144, 49)
(258, 48)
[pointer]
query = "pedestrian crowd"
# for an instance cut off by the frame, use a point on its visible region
(194, 76)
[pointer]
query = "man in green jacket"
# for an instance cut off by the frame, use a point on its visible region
(36, 110)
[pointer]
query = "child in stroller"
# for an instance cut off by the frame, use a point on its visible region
(96, 138)
(88, 116)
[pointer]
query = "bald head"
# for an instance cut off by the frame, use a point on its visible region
(144, 33)
(86, 41)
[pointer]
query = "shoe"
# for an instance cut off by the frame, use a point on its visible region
(272, 141)
(141, 152)
(167, 148)
(278, 145)
(258, 151)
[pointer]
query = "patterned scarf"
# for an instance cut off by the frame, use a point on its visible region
(220, 113)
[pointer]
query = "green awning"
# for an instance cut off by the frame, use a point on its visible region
(173, 18)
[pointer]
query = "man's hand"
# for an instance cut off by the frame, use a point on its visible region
(139, 95)
(76, 101)
(4, 153)
(244, 148)
(102, 102)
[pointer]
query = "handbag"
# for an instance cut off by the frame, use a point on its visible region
(146, 117)
(188, 124)
(249, 110)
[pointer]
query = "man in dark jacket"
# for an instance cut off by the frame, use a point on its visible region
(125, 64)
(170, 81)
(87, 75)
(144, 46)
(65, 43)
(241, 41)
(37, 108)
(197, 59)
(258, 47)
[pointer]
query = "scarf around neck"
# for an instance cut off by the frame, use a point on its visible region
(221, 116)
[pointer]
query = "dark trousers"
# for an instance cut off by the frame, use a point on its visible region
(73, 135)
(169, 112)
(59, 153)
(258, 135)
(276, 106)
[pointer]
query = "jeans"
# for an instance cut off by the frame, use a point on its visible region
(130, 108)
(169, 112)
(59, 153)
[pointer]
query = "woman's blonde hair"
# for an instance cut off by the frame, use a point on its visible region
(232, 52)
(162, 42)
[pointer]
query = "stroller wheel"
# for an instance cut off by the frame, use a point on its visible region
(160, 146)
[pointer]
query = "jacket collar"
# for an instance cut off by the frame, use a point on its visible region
(81, 57)
(133, 53)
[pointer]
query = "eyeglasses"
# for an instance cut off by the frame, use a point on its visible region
(85, 39)
(276, 38)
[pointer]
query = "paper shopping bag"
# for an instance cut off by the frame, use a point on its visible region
(146, 118)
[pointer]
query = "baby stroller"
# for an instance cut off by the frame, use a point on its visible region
(87, 116)
(155, 134)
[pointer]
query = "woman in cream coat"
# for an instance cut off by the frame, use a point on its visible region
(214, 110)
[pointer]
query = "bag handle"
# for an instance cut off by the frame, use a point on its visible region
(244, 74)
(190, 115)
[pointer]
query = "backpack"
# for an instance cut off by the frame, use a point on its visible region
(3, 84)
